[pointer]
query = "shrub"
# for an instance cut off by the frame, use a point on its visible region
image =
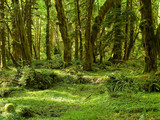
(55, 63)
(30, 78)
(4, 90)
(119, 82)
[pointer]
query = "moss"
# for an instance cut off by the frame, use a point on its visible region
(9, 108)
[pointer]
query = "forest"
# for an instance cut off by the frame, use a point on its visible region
(79, 59)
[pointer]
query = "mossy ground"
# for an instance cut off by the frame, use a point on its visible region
(90, 101)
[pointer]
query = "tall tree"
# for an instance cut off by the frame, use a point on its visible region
(3, 34)
(24, 43)
(79, 27)
(76, 40)
(117, 47)
(17, 53)
(67, 54)
(99, 20)
(131, 38)
(147, 28)
(28, 14)
(126, 31)
(88, 43)
(48, 49)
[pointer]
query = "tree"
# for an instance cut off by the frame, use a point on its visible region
(147, 28)
(99, 20)
(117, 47)
(88, 43)
(48, 49)
(126, 31)
(131, 38)
(3, 34)
(24, 42)
(79, 27)
(28, 14)
(17, 53)
(64, 32)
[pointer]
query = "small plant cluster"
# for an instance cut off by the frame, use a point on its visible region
(8, 111)
(120, 82)
(28, 77)
(151, 83)
(55, 63)
(4, 90)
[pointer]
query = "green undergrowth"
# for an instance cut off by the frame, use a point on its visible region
(84, 102)
(109, 92)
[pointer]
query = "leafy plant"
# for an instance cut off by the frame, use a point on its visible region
(119, 82)
(27, 76)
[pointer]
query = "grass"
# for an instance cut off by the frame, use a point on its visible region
(91, 101)
(71, 102)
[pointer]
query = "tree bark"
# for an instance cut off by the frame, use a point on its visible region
(117, 47)
(88, 42)
(48, 49)
(148, 37)
(64, 32)
(99, 20)
(24, 43)
(76, 41)
(29, 22)
(17, 53)
(132, 40)
(79, 29)
(126, 30)
(3, 34)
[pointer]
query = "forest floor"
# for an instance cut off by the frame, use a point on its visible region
(87, 99)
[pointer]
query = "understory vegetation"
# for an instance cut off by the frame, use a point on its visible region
(79, 59)
(110, 92)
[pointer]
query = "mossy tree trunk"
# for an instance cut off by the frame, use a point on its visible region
(148, 37)
(126, 31)
(48, 49)
(64, 32)
(132, 40)
(79, 29)
(3, 34)
(28, 14)
(76, 41)
(24, 43)
(88, 42)
(99, 20)
(117, 47)
(17, 53)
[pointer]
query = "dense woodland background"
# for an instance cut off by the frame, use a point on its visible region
(94, 59)
(93, 31)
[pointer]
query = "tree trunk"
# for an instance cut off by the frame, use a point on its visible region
(76, 41)
(39, 40)
(101, 47)
(48, 49)
(29, 22)
(3, 35)
(132, 40)
(64, 32)
(17, 53)
(79, 29)
(117, 48)
(26, 53)
(99, 20)
(148, 36)
(126, 30)
(88, 43)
